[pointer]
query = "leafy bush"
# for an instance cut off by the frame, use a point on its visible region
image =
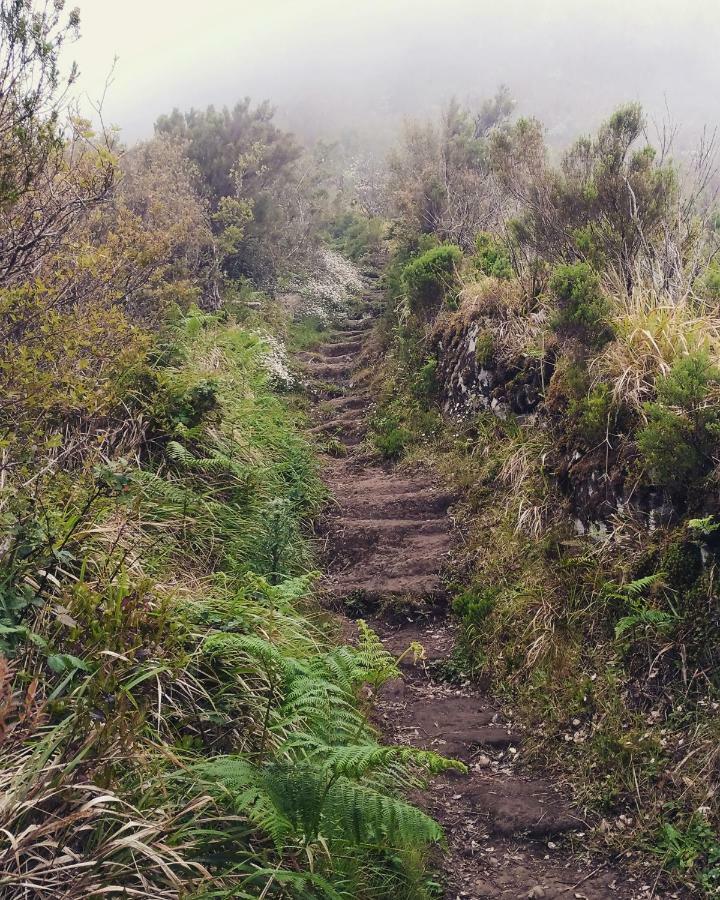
(431, 278)
(491, 257)
(583, 310)
(676, 443)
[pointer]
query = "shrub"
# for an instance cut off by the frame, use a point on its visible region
(432, 277)
(356, 236)
(677, 442)
(592, 414)
(582, 307)
(390, 437)
(666, 446)
(688, 383)
(424, 385)
(491, 257)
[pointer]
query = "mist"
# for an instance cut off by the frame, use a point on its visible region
(333, 69)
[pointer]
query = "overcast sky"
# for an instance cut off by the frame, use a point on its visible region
(332, 64)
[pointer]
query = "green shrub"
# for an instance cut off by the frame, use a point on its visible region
(356, 236)
(491, 257)
(688, 383)
(667, 448)
(432, 278)
(677, 442)
(390, 438)
(424, 384)
(592, 414)
(582, 308)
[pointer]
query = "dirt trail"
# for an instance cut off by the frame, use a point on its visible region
(387, 537)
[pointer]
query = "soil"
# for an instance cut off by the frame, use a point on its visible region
(387, 537)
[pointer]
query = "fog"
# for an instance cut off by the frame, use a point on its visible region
(331, 67)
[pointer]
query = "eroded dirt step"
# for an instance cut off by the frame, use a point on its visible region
(357, 401)
(328, 371)
(341, 348)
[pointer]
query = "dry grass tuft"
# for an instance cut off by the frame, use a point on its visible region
(652, 332)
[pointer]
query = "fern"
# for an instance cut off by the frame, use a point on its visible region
(235, 648)
(378, 663)
(311, 801)
(653, 618)
(361, 814)
(632, 589)
(359, 759)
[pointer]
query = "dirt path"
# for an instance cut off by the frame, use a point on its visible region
(387, 538)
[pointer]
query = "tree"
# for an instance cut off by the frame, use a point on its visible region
(45, 180)
(610, 202)
(440, 178)
(265, 194)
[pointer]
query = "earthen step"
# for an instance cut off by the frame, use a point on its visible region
(392, 505)
(342, 348)
(323, 371)
(349, 419)
(377, 588)
(355, 402)
(521, 807)
(362, 531)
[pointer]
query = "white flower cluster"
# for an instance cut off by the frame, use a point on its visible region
(275, 362)
(326, 293)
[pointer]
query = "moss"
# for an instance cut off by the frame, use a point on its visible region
(484, 348)
(682, 564)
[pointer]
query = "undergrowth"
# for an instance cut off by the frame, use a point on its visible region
(176, 717)
(598, 625)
